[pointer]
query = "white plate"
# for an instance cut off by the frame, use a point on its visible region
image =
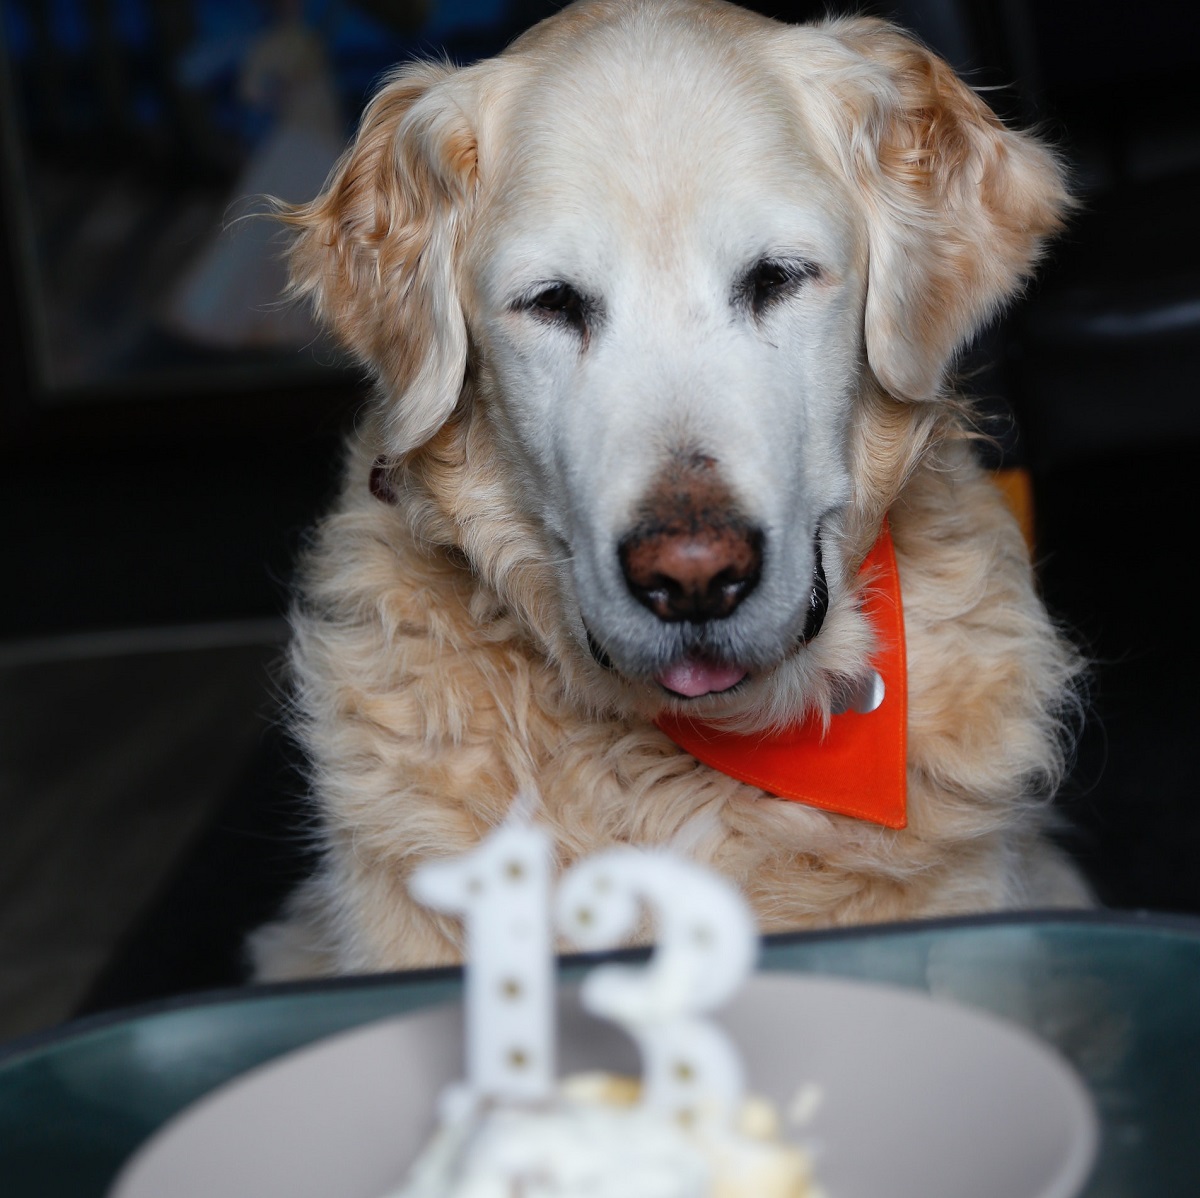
(920, 1099)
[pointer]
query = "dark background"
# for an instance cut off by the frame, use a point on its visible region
(151, 509)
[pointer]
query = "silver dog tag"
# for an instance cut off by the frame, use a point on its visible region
(862, 694)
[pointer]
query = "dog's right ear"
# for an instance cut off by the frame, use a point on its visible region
(375, 250)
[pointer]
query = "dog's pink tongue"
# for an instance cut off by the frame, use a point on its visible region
(692, 678)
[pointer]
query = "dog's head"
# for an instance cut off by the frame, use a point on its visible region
(682, 286)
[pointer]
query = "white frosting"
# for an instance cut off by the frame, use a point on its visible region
(595, 1141)
(569, 1152)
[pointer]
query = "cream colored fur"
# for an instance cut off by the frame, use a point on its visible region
(649, 149)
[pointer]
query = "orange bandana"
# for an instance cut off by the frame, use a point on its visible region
(858, 767)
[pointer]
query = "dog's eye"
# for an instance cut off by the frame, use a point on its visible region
(561, 303)
(772, 279)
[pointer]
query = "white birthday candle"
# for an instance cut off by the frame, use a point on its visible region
(706, 945)
(502, 890)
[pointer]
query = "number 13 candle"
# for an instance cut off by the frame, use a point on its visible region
(705, 947)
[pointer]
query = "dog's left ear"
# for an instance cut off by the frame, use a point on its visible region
(958, 206)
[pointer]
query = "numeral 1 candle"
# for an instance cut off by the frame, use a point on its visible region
(501, 889)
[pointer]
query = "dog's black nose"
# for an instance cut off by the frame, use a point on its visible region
(692, 571)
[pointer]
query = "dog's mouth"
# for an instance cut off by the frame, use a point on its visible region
(697, 674)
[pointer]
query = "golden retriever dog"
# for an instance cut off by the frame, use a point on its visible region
(661, 304)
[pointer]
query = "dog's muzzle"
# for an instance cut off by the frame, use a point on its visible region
(673, 599)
